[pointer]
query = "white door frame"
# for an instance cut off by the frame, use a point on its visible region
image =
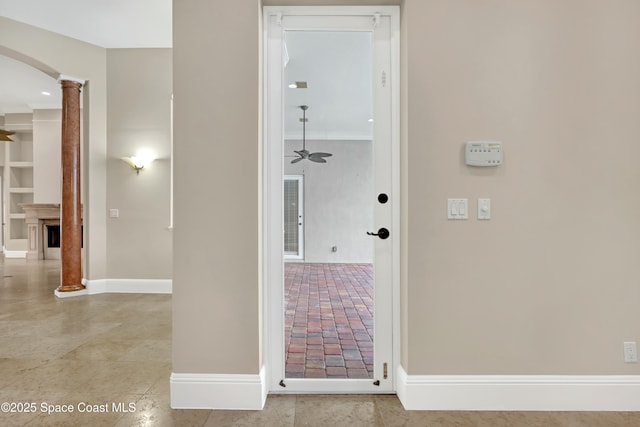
(273, 164)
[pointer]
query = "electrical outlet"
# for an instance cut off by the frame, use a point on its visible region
(630, 352)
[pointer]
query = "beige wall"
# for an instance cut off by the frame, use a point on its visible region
(216, 143)
(548, 286)
(47, 135)
(338, 200)
(56, 54)
(139, 87)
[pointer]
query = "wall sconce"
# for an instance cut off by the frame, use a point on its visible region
(140, 161)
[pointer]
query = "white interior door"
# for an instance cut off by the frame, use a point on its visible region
(382, 23)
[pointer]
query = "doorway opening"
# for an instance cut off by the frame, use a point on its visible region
(331, 277)
(328, 138)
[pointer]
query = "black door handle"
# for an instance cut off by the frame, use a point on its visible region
(382, 233)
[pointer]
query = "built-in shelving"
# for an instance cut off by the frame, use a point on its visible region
(21, 164)
(18, 187)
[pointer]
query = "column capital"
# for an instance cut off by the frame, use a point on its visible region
(63, 77)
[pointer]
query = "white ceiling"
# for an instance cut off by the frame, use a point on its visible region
(337, 69)
(21, 88)
(335, 65)
(105, 23)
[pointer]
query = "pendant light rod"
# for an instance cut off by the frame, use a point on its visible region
(304, 154)
(304, 125)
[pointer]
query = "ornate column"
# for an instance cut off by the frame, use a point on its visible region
(70, 214)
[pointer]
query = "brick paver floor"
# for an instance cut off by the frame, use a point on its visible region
(328, 320)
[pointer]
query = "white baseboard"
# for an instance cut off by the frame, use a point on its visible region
(121, 286)
(519, 392)
(70, 294)
(129, 286)
(14, 254)
(215, 391)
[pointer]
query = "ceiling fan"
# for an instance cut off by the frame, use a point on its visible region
(304, 153)
(4, 135)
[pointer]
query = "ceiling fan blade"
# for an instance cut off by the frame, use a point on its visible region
(319, 155)
(317, 159)
(297, 160)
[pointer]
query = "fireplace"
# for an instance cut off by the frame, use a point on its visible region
(43, 230)
(50, 239)
(39, 218)
(53, 236)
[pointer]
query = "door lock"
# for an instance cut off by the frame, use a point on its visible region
(382, 233)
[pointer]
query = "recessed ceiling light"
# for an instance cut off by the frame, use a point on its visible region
(370, 120)
(45, 93)
(299, 85)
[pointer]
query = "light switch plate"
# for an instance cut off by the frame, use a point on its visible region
(484, 208)
(114, 213)
(457, 208)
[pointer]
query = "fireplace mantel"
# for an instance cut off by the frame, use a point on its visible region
(41, 210)
(37, 215)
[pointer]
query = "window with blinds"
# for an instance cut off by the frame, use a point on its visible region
(293, 216)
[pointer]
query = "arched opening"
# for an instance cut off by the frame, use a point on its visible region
(30, 95)
(37, 116)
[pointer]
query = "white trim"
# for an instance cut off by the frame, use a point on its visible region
(218, 391)
(129, 286)
(71, 294)
(300, 18)
(170, 227)
(13, 254)
(121, 286)
(329, 386)
(272, 167)
(396, 175)
(368, 11)
(519, 392)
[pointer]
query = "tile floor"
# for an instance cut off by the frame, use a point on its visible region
(328, 320)
(115, 348)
